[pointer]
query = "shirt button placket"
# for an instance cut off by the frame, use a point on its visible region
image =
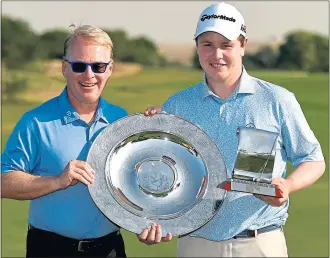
(90, 131)
(221, 111)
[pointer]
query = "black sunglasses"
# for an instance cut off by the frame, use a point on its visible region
(80, 67)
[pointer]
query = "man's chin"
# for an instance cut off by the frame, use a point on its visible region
(219, 76)
(89, 101)
(90, 98)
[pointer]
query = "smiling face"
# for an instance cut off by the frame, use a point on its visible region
(86, 88)
(220, 58)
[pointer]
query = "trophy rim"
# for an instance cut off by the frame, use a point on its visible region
(193, 218)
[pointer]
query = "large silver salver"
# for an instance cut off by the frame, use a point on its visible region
(160, 169)
(254, 167)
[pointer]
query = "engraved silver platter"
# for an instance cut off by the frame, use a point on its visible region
(160, 169)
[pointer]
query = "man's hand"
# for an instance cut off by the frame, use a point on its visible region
(153, 235)
(74, 172)
(284, 186)
(150, 111)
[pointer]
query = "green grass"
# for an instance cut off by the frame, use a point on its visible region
(307, 227)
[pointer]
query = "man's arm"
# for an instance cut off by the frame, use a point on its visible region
(304, 175)
(303, 150)
(24, 186)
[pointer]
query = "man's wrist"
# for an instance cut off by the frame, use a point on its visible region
(290, 184)
(55, 183)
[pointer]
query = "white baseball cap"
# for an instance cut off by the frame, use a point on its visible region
(222, 18)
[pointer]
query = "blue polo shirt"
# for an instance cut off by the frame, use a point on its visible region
(42, 143)
(259, 104)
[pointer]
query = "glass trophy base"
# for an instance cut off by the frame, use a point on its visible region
(252, 187)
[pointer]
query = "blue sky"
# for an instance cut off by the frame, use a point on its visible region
(171, 21)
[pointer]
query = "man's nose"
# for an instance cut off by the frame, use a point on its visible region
(218, 52)
(89, 72)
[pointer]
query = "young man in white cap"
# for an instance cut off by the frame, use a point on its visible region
(246, 225)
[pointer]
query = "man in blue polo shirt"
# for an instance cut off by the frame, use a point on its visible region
(227, 98)
(44, 159)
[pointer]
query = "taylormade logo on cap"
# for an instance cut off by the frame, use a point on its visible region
(214, 16)
(222, 18)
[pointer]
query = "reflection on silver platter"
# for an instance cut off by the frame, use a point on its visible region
(160, 169)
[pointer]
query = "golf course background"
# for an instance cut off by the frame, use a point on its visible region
(308, 224)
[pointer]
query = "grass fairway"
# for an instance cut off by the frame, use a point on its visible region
(307, 227)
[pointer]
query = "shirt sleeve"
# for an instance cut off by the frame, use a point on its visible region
(169, 106)
(123, 113)
(115, 113)
(21, 151)
(299, 140)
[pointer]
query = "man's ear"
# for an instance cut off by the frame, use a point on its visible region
(243, 47)
(64, 67)
(111, 67)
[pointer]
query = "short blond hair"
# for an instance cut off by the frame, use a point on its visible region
(88, 32)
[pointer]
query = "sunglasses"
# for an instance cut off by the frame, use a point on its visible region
(80, 67)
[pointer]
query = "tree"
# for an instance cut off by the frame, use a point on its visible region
(322, 53)
(120, 44)
(298, 52)
(266, 57)
(51, 44)
(143, 51)
(137, 50)
(250, 62)
(18, 42)
(11, 85)
(195, 61)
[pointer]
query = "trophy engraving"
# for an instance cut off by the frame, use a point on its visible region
(155, 176)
